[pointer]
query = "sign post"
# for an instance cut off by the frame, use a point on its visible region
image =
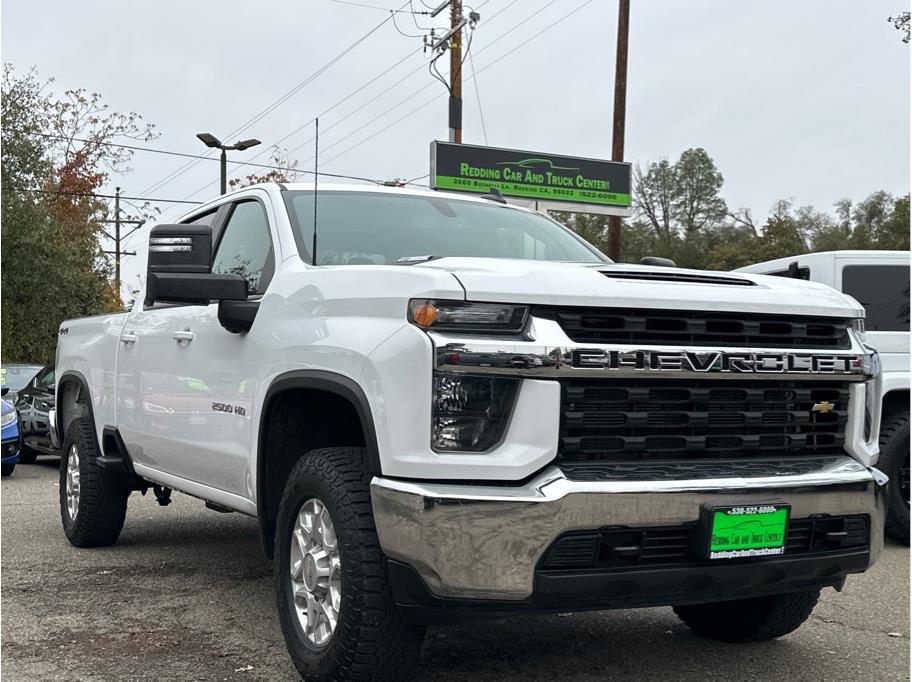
(548, 181)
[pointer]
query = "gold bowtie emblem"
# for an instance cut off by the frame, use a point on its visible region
(824, 406)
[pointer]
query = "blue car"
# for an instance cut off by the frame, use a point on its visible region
(9, 438)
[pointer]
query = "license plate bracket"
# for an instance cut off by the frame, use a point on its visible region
(744, 531)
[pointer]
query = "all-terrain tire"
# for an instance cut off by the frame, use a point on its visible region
(371, 640)
(750, 620)
(7, 469)
(894, 462)
(102, 500)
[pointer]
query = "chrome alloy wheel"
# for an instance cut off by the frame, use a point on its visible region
(72, 482)
(316, 572)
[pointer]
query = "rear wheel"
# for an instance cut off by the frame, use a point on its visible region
(894, 461)
(93, 502)
(750, 620)
(335, 603)
(7, 469)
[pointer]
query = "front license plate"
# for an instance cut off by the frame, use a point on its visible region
(747, 531)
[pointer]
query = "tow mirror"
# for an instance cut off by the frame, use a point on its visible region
(179, 269)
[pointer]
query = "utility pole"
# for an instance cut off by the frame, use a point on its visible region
(620, 110)
(456, 22)
(117, 239)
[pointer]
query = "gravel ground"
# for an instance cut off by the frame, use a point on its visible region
(187, 595)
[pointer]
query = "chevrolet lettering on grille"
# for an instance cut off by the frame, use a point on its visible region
(716, 362)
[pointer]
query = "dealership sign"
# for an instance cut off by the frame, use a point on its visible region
(530, 175)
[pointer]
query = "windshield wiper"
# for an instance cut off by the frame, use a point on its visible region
(411, 260)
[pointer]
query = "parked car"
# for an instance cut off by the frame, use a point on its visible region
(9, 438)
(34, 402)
(878, 280)
(16, 376)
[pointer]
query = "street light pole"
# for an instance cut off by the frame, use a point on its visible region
(212, 141)
(223, 185)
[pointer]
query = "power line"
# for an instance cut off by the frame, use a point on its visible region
(368, 102)
(277, 103)
(435, 98)
(484, 128)
(206, 158)
(95, 195)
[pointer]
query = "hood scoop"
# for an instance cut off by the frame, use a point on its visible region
(679, 277)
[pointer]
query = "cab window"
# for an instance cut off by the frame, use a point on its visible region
(245, 247)
(883, 290)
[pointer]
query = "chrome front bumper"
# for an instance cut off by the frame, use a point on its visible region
(484, 541)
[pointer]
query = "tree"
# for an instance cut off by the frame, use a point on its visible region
(901, 23)
(55, 155)
(284, 171)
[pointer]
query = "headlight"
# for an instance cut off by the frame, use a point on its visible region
(8, 418)
(858, 326)
(479, 318)
(470, 412)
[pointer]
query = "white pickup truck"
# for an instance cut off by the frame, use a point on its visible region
(444, 408)
(879, 280)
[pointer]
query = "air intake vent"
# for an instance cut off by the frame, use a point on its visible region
(681, 277)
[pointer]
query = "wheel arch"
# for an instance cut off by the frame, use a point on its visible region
(73, 401)
(291, 386)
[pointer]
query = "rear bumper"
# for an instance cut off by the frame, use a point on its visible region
(485, 542)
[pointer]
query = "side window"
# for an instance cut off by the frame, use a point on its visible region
(45, 379)
(883, 290)
(206, 218)
(245, 247)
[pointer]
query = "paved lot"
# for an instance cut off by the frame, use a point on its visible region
(187, 595)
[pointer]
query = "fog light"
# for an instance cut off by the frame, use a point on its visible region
(470, 413)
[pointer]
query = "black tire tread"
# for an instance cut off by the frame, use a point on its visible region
(897, 525)
(378, 643)
(102, 499)
(750, 620)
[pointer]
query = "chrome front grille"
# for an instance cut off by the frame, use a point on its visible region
(673, 419)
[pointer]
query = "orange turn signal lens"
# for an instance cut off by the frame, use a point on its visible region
(424, 313)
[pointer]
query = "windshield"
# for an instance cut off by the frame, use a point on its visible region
(17, 376)
(368, 228)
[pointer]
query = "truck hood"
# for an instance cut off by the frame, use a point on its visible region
(616, 285)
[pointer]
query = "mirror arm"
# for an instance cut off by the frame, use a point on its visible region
(237, 316)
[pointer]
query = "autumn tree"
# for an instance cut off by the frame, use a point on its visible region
(56, 154)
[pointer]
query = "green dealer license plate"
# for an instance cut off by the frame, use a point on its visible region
(747, 531)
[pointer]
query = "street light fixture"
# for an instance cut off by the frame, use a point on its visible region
(212, 141)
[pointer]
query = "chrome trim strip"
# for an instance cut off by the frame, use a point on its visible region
(484, 542)
(551, 485)
(547, 352)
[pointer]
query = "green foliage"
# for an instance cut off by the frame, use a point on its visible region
(679, 213)
(53, 268)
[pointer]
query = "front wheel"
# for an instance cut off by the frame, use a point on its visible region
(750, 620)
(335, 603)
(93, 502)
(7, 469)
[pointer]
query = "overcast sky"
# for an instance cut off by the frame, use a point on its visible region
(806, 100)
